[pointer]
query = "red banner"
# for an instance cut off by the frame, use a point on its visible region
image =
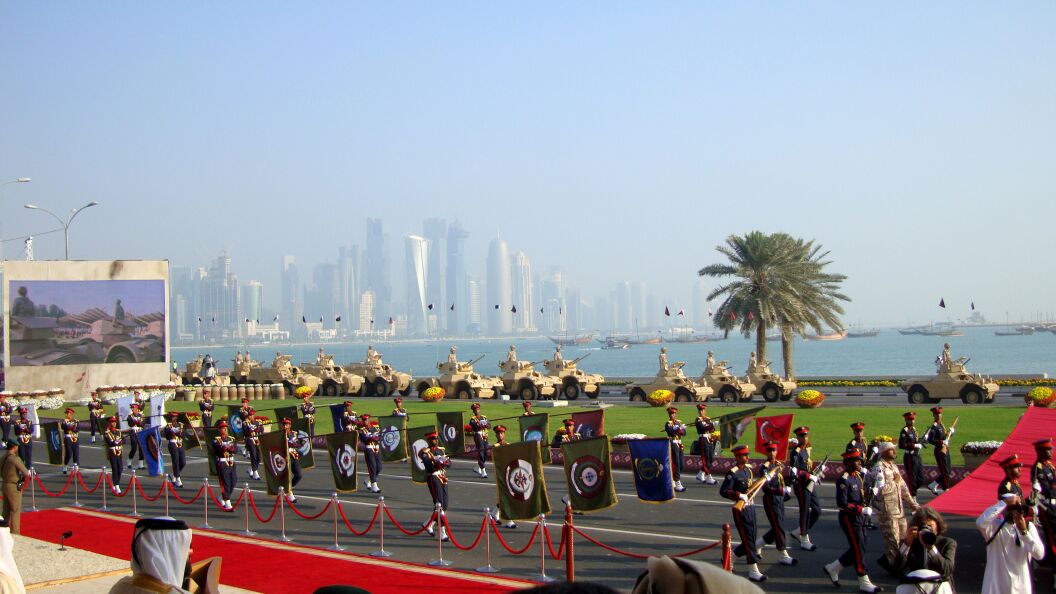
(590, 423)
(775, 429)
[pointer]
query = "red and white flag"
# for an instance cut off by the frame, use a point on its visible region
(776, 429)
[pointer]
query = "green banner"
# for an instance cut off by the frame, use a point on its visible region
(393, 438)
(342, 449)
(588, 472)
(53, 436)
(733, 425)
(417, 442)
(451, 430)
(304, 441)
(210, 434)
(520, 481)
(190, 436)
(102, 424)
(536, 428)
(274, 453)
(285, 412)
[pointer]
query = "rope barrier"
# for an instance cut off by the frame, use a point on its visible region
(69, 479)
(122, 493)
(451, 535)
(373, 519)
(506, 546)
(549, 544)
(241, 496)
(256, 512)
(186, 501)
(218, 503)
(84, 486)
(139, 486)
(431, 519)
(306, 516)
(636, 555)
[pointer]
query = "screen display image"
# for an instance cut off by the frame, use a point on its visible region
(74, 322)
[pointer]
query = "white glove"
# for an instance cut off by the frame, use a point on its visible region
(865, 472)
(788, 490)
(876, 490)
(742, 497)
(952, 431)
(1037, 487)
(917, 446)
(814, 478)
(867, 511)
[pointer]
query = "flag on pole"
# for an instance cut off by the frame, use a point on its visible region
(449, 427)
(304, 443)
(733, 316)
(651, 461)
(417, 441)
(337, 415)
(34, 420)
(124, 408)
(667, 311)
(452, 307)
(342, 449)
(190, 436)
(942, 303)
(393, 438)
(234, 421)
(536, 428)
(285, 412)
(973, 306)
(520, 480)
(55, 442)
(776, 429)
(751, 316)
(157, 409)
(588, 471)
(733, 425)
(709, 312)
(150, 443)
(276, 457)
(211, 433)
(430, 307)
(682, 312)
(590, 423)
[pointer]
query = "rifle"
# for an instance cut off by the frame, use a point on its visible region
(818, 469)
(949, 432)
(755, 487)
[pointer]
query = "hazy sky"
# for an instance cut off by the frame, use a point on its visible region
(915, 141)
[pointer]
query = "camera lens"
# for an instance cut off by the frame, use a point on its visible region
(928, 537)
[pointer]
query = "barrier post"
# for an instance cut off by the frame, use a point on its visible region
(167, 485)
(542, 577)
(487, 544)
(282, 515)
(335, 546)
(76, 494)
(570, 558)
(381, 530)
(132, 487)
(205, 505)
(727, 550)
(105, 488)
(441, 562)
(32, 490)
(247, 505)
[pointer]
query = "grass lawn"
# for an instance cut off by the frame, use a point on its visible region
(830, 427)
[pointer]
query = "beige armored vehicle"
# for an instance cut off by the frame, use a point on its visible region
(521, 380)
(727, 386)
(281, 371)
(379, 378)
(458, 380)
(334, 379)
(193, 374)
(767, 383)
(669, 377)
(572, 381)
(951, 380)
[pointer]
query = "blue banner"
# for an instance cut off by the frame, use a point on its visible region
(651, 461)
(150, 441)
(337, 414)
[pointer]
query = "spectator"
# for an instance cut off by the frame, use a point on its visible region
(160, 551)
(13, 472)
(1011, 542)
(672, 575)
(10, 579)
(926, 547)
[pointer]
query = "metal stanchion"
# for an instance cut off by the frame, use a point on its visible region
(132, 487)
(335, 546)
(282, 515)
(205, 505)
(570, 558)
(76, 493)
(246, 505)
(104, 489)
(487, 544)
(441, 562)
(542, 577)
(381, 530)
(167, 485)
(32, 491)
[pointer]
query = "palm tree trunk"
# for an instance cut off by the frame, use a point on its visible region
(786, 352)
(760, 341)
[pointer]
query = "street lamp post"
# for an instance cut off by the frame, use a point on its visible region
(17, 180)
(65, 224)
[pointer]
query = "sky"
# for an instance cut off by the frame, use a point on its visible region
(621, 141)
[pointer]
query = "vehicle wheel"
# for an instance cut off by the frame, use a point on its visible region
(464, 392)
(422, 387)
(121, 356)
(406, 391)
(572, 390)
(683, 396)
(917, 396)
(972, 397)
(528, 391)
(330, 389)
(381, 387)
(594, 395)
(637, 395)
(362, 391)
(771, 393)
(728, 395)
(786, 397)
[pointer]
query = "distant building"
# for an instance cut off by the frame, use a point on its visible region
(457, 284)
(292, 307)
(474, 317)
(435, 231)
(220, 305)
(499, 290)
(639, 307)
(348, 285)
(623, 312)
(378, 269)
(418, 280)
(366, 312)
(253, 300)
(553, 304)
(523, 320)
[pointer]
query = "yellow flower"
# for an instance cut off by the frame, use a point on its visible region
(660, 397)
(433, 394)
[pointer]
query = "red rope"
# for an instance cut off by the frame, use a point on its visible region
(306, 516)
(218, 503)
(122, 493)
(506, 546)
(84, 486)
(636, 555)
(549, 544)
(139, 485)
(69, 479)
(256, 512)
(241, 496)
(349, 525)
(186, 501)
(451, 535)
(404, 530)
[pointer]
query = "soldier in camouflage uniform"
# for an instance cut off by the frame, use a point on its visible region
(891, 497)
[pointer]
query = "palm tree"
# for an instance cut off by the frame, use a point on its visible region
(777, 280)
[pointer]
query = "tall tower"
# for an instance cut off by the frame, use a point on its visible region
(624, 313)
(292, 297)
(524, 319)
(378, 269)
(253, 300)
(435, 232)
(417, 285)
(457, 282)
(500, 291)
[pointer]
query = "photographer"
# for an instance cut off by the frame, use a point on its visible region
(926, 547)
(1010, 544)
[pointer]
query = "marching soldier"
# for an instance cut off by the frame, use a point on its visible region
(1010, 486)
(481, 428)
(910, 446)
(114, 444)
(399, 411)
(370, 436)
(675, 429)
(206, 406)
(224, 451)
(804, 479)
(938, 436)
(95, 412)
(527, 405)
(570, 433)
(1043, 481)
(735, 488)
(436, 463)
(252, 431)
(349, 420)
(24, 433)
(850, 498)
(867, 453)
(293, 444)
(705, 427)
(858, 441)
(891, 496)
(68, 426)
(308, 411)
(5, 416)
(243, 413)
(173, 434)
(135, 425)
(775, 494)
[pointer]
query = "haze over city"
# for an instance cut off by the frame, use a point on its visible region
(612, 143)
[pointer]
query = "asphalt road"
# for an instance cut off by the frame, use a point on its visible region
(693, 520)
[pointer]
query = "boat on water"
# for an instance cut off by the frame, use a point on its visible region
(912, 330)
(612, 343)
(571, 340)
(1017, 331)
(833, 336)
(652, 340)
(685, 338)
(862, 333)
(773, 338)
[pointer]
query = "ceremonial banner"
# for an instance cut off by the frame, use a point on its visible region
(190, 436)
(535, 428)
(34, 420)
(342, 450)
(450, 428)
(210, 434)
(304, 443)
(102, 423)
(157, 409)
(520, 481)
(733, 425)
(124, 408)
(651, 461)
(150, 442)
(337, 415)
(588, 471)
(775, 429)
(285, 412)
(234, 421)
(275, 455)
(53, 436)
(393, 438)
(417, 441)
(590, 423)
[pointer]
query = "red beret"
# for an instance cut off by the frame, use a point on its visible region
(909, 415)
(701, 405)
(936, 410)
(802, 430)
(475, 405)
(348, 403)
(770, 446)
(569, 422)
(174, 415)
(500, 428)
(364, 416)
(1043, 443)
(1011, 462)
(527, 404)
(287, 421)
(851, 455)
(69, 410)
(672, 409)
(112, 420)
(431, 435)
(741, 449)
(857, 425)
(221, 425)
(397, 400)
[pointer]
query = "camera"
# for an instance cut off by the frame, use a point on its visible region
(927, 537)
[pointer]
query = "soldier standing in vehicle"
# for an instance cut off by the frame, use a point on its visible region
(663, 359)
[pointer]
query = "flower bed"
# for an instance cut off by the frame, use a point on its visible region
(660, 397)
(810, 399)
(303, 391)
(1041, 396)
(980, 448)
(891, 383)
(619, 442)
(434, 394)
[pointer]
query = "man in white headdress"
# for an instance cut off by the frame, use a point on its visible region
(10, 579)
(1011, 542)
(160, 549)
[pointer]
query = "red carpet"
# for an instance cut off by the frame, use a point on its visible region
(978, 490)
(263, 565)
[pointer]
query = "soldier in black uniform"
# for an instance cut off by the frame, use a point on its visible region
(293, 444)
(675, 430)
(68, 426)
(938, 436)
(858, 441)
(859, 444)
(206, 406)
(850, 498)
(399, 411)
(803, 478)
(775, 494)
(735, 488)
(24, 433)
(436, 463)
(224, 451)
(308, 411)
(135, 425)
(252, 431)
(114, 442)
(95, 412)
(6, 410)
(481, 428)
(1010, 485)
(705, 427)
(173, 434)
(910, 446)
(370, 437)
(349, 420)
(1043, 483)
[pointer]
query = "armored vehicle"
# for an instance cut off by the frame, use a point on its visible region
(34, 342)
(770, 385)
(380, 378)
(671, 379)
(951, 381)
(281, 372)
(193, 375)
(726, 385)
(334, 379)
(458, 380)
(521, 380)
(571, 380)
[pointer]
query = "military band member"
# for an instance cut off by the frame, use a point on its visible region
(705, 428)
(6, 410)
(251, 432)
(775, 494)
(114, 442)
(910, 446)
(244, 410)
(891, 497)
(481, 428)
(173, 434)
(527, 405)
(1043, 483)
(349, 420)
(675, 430)
(224, 451)
(570, 433)
(308, 411)
(938, 436)
(735, 488)
(858, 443)
(399, 411)
(206, 406)
(95, 412)
(804, 479)
(135, 425)
(24, 434)
(436, 463)
(68, 426)
(293, 445)
(1010, 484)
(850, 498)
(370, 437)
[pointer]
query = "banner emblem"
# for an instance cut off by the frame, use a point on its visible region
(520, 479)
(450, 434)
(55, 443)
(648, 468)
(390, 438)
(304, 447)
(236, 424)
(278, 462)
(586, 474)
(346, 460)
(416, 449)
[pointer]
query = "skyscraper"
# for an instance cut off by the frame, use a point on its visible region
(500, 291)
(457, 283)
(366, 312)
(253, 300)
(435, 231)
(347, 287)
(639, 319)
(378, 269)
(474, 313)
(325, 298)
(292, 298)
(524, 319)
(221, 305)
(624, 314)
(553, 294)
(418, 285)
